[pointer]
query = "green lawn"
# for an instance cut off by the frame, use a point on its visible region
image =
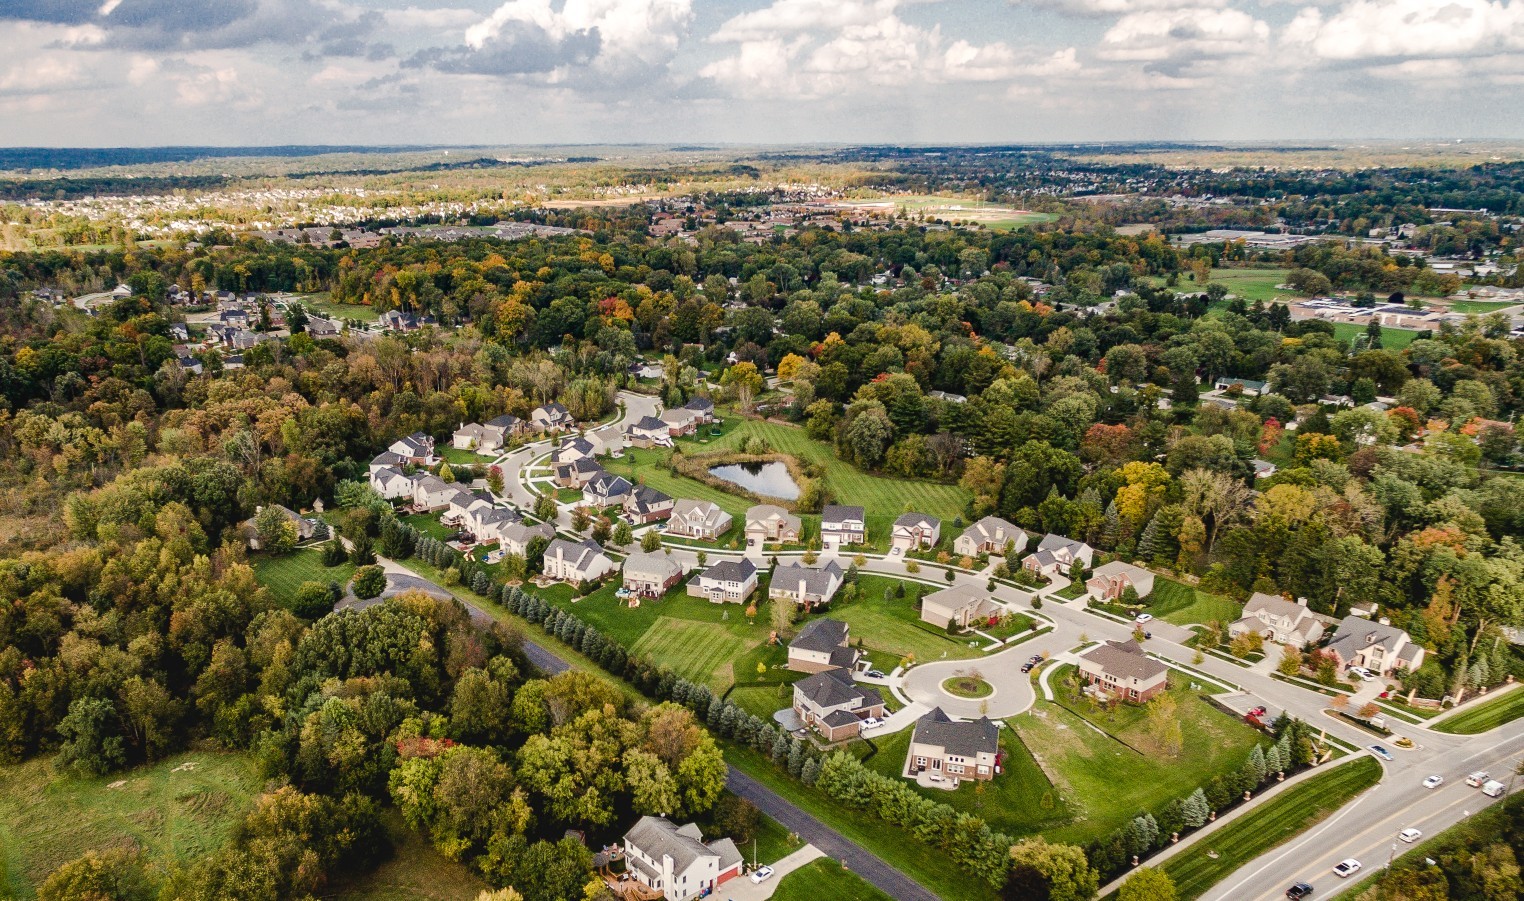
(1486, 715)
(1250, 284)
(457, 457)
(1480, 307)
(429, 525)
(1391, 338)
(700, 652)
(1181, 604)
(894, 626)
(320, 303)
(1106, 774)
(283, 576)
(1278, 821)
(1020, 801)
(414, 871)
(825, 878)
(48, 819)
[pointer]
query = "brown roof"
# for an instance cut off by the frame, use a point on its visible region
(1125, 659)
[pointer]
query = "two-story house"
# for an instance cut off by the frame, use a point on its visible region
(1278, 620)
(648, 431)
(703, 520)
(834, 705)
(605, 490)
(1121, 668)
(417, 449)
(431, 493)
(1056, 554)
(729, 581)
(576, 561)
(577, 473)
(675, 861)
(954, 749)
(645, 504)
(1376, 645)
(391, 483)
(553, 417)
(771, 524)
(914, 532)
(959, 606)
(990, 535)
(807, 586)
(821, 645)
(680, 421)
(516, 537)
(573, 449)
(1110, 580)
(842, 525)
(651, 575)
(703, 406)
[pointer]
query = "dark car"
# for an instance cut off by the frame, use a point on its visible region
(1027, 667)
(1298, 891)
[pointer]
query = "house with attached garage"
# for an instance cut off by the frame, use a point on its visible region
(842, 525)
(576, 561)
(499, 430)
(1110, 580)
(468, 436)
(573, 449)
(675, 861)
(391, 483)
(551, 418)
(990, 535)
(651, 575)
(834, 705)
(729, 581)
(914, 532)
(703, 520)
(431, 493)
(806, 586)
(318, 327)
(605, 490)
(515, 538)
(771, 524)
(1120, 668)
(942, 746)
(417, 449)
(1056, 554)
(1279, 620)
(306, 526)
(1376, 645)
(681, 421)
(645, 504)
(703, 406)
(821, 645)
(958, 606)
(648, 431)
(577, 473)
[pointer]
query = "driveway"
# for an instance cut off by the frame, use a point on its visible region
(743, 889)
(1013, 688)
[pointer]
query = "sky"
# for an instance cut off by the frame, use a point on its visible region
(496, 72)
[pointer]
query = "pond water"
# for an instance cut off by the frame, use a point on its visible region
(767, 479)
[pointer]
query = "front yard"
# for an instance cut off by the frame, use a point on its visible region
(284, 576)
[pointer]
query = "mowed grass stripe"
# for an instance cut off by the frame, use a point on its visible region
(285, 575)
(700, 652)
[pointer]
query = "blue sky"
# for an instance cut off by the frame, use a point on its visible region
(140, 72)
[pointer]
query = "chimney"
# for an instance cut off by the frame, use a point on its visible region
(1301, 602)
(1384, 621)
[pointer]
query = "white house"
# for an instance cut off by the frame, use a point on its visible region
(651, 575)
(576, 561)
(431, 493)
(675, 861)
(515, 538)
(391, 483)
(552, 417)
(989, 535)
(729, 581)
(605, 490)
(1376, 645)
(417, 449)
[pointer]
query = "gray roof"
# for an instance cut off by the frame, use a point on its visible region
(834, 513)
(657, 564)
(578, 552)
(650, 424)
(732, 571)
(523, 533)
(644, 497)
(506, 421)
(609, 485)
(1355, 633)
(1052, 542)
(990, 526)
(834, 687)
(822, 635)
(911, 520)
(711, 512)
(700, 404)
(1125, 659)
(659, 837)
(965, 739)
(817, 580)
(386, 458)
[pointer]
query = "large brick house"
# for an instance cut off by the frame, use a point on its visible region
(1110, 580)
(771, 524)
(729, 581)
(1120, 668)
(953, 749)
(914, 532)
(835, 706)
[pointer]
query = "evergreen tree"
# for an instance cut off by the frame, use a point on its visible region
(810, 772)
(1195, 810)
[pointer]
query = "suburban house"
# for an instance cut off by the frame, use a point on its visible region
(1376, 645)
(989, 535)
(487, 525)
(573, 449)
(605, 490)
(515, 538)
(835, 705)
(680, 421)
(698, 519)
(1110, 580)
(960, 606)
(576, 561)
(1263, 469)
(417, 449)
(391, 483)
(1246, 387)
(842, 525)
(821, 645)
(387, 460)
(729, 581)
(398, 321)
(645, 504)
(1278, 620)
(703, 406)
(499, 430)
(1122, 669)
(914, 532)
(551, 418)
(431, 493)
(675, 861)
(1055, 555)
(648, 431)
(305, 526)
(771, 524)
(319, 327)
(651, 575)
(805, 585)
(960, 750)
(577, 473)
(468, 436)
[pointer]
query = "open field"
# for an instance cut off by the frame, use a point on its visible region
(285, 575)
(962, 209)
(1391, 338)
(700, 652)
(1485, 715)
(1250, 284)
(322, 305)
(1020, 801)
(1083, 755)
(894, 626)
(414, 871)
(174, 813)
(1480, 307)
(1181, 604)
(1278, 821)
(825, 878)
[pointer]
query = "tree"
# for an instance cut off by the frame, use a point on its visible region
(334, 553)
(312, 600)
(369, 582)
(92, 741)
(1147, 884)
(623, 534)
(113, 875)
(746, 382)
(545, 508)
(275, 531)
(362, 554)
(1068, 874)
(650, 541)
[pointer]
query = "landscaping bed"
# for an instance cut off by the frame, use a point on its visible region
(970, 686)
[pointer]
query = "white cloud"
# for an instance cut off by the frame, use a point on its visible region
(1103, 7)
(1394, 29)
(41, 76)
(646, 31)
(1184, 34)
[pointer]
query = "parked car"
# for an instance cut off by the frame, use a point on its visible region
(1143, 618)
(1478, 779)
(1434, 781)
(1381, 752)
(1362, 673)
(875, 674)
(761, 874)
(1026, 667)
(1346, 868)
(1299, 891)
(1257, 711)
(872, 721)
(1035, 659)
(1410, 835)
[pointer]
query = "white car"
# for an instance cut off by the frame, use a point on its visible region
(872, 721)
(1143, 618)
(1364, 674)
(1477, 779)
(1410, 835)
(761, 874)
(1346, 868)
(1434, 781)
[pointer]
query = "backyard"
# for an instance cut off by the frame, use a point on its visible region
(1108, 766)
(323, 305)
(283, 576)
(1181, 604)
(893, 625)
(825, 878)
